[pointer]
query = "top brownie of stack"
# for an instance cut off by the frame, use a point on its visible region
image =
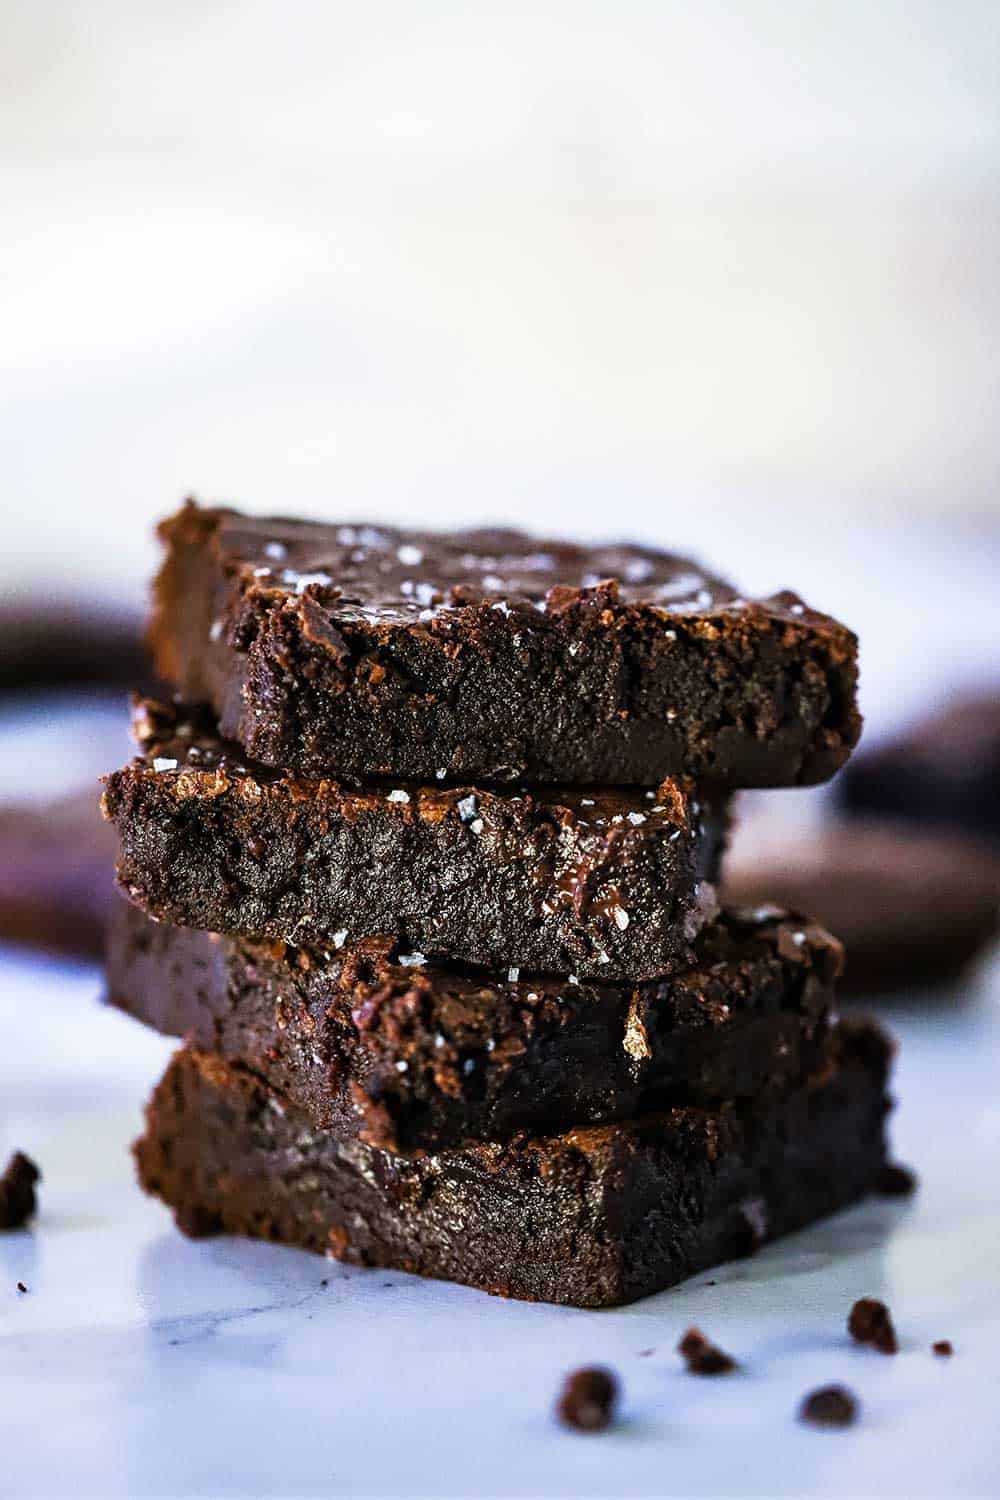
(365, 652)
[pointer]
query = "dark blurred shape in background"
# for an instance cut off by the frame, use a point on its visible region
(912, 907)
(944, 771)
(56, 874)
(70, 642)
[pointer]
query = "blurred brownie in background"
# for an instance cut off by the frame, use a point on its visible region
(62, 643)
(912, 907)
(942, 772)
(56, 874)
(56, 886)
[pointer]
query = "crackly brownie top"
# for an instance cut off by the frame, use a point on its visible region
(382, 575)
(182, 744)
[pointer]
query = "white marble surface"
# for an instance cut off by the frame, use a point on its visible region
(139, 1363)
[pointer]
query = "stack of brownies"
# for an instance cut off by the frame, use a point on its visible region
(421, 864)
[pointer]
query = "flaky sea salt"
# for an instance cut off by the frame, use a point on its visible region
(467, 807)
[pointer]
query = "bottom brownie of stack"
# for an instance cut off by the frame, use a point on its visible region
(417, 1116)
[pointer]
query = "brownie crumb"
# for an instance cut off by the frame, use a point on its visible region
(21, 1286)
(944, 1347)
(895, 1181)
(587, 1401)
(17, 1191)
(702, 1356)
(830, 1406)
(870, 1323)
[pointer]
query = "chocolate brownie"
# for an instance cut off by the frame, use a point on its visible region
(615, 884)
(56, 874)
(424, 1056)
(942, 772)
(596, 1217)
(356, 650)
(912, 908)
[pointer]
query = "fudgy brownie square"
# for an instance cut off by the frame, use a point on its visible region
(425, 1056)
(611, 884)
(593, 1218)
(491, 655)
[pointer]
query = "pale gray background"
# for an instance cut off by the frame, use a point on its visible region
(693, 271)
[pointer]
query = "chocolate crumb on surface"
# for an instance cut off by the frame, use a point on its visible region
(830, 1406)
(702, 1357)
(17, 1191)
(587, 1401)
(895, 1181)
(871, 1323)
(944, 1347)
(21, 1286)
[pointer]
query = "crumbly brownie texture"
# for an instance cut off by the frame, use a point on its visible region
(593, 1218)
(425, 1056)
(912, 908)
(335, 649)
(56, 880)
(614, 884)
(942, 772)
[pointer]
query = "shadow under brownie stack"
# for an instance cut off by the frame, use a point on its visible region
(421, 865)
